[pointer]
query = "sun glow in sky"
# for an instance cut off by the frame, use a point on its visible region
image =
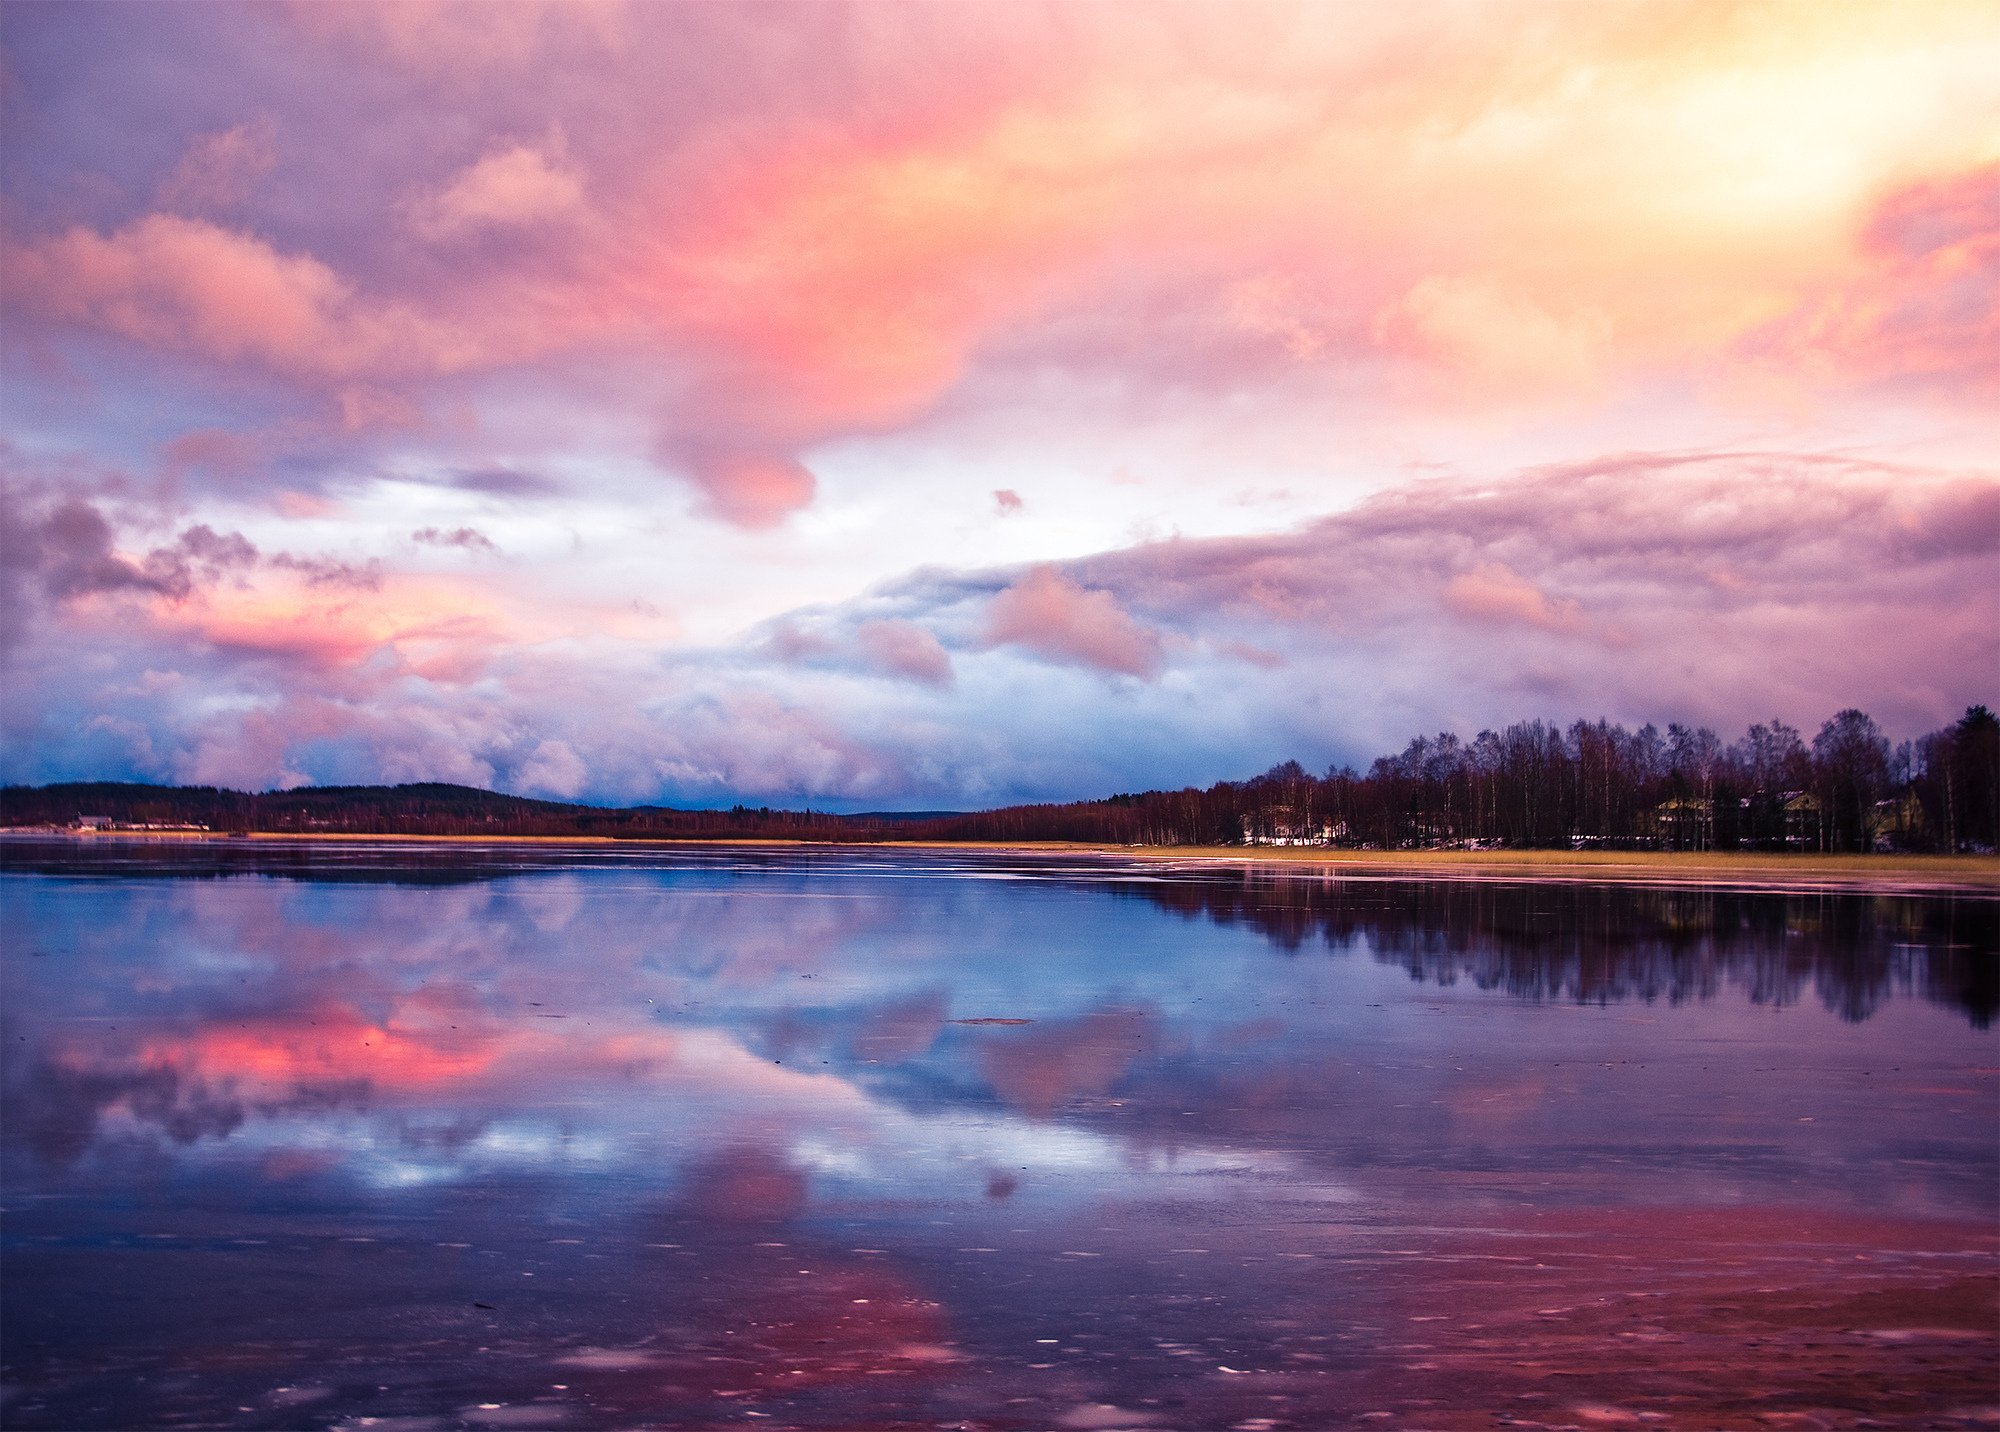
(930, 406)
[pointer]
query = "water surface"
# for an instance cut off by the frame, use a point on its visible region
(408, 1138)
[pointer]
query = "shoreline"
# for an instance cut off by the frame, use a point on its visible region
(1747, 870)
(1743, 870)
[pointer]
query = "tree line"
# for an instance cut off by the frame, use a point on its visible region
(1595, 784)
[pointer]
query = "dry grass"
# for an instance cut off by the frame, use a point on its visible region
(1926, 872)
(1760, 870)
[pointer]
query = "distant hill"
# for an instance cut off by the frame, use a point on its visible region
(419, 808)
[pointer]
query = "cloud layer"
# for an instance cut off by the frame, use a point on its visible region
(1712, 588)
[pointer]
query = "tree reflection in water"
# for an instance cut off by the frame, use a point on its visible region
(1609, 943)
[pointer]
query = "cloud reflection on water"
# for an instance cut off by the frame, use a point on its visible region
(701, 1130)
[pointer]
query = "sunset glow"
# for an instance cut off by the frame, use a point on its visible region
(924, 406)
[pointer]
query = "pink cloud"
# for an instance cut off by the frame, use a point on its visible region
(905, 649)
(1924, 308)
(189, 286)
(750, 489)
(1050, 615)
(185, 283)
(331, 616)
(514, 187)
(1494, 592)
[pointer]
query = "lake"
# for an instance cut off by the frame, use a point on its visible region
(410, 1137)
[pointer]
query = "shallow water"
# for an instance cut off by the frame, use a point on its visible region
(409, 1138)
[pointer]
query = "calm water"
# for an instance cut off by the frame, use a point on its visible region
(387, 1138)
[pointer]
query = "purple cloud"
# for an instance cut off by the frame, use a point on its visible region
(471, 539)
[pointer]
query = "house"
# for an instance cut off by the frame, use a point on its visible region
(1282, 825)
(105, 825)
(1805, 827)
(1898, 823)
(1685, 823)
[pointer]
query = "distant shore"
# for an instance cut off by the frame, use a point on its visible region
(1758, 870)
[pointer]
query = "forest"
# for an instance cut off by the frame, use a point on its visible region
(1592, 785)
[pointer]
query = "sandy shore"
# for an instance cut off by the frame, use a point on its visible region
(1887, 874)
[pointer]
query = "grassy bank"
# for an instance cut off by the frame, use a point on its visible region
(1915, 872)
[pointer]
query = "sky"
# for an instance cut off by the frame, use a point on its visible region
(934, 406)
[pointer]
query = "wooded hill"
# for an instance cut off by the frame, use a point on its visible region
(425, 808)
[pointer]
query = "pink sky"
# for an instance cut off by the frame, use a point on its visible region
(938, 405)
